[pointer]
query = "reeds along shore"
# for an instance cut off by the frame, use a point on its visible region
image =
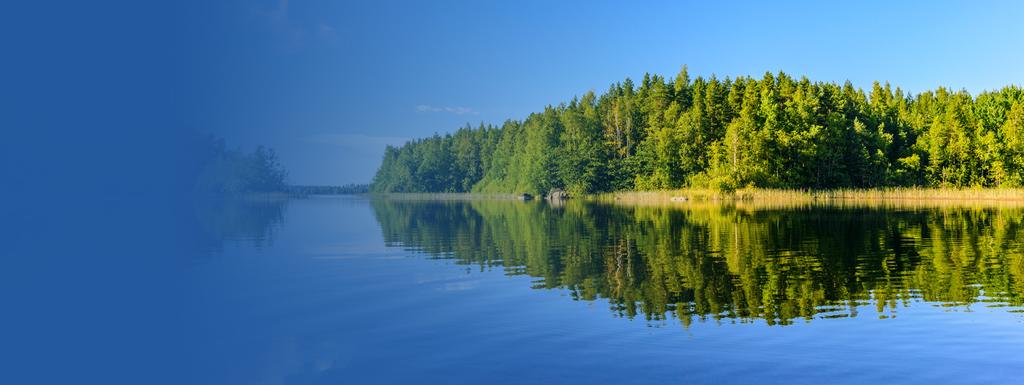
(990, 195)
(759, 195)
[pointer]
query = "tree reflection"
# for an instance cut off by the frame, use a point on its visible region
(242, 219)
(726, 261)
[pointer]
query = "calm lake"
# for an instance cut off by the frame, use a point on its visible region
(353, 290)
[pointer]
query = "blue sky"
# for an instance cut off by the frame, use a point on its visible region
(329, 84)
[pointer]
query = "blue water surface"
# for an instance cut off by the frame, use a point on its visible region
(316, 294)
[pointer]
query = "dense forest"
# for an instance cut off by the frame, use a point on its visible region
(773, 132)
(722, 262)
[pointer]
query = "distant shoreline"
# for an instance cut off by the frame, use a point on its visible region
(449, 196)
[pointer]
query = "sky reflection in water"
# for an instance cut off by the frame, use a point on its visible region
(398, 291)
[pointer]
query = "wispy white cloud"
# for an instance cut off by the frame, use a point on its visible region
(450, 110)
(325, 31)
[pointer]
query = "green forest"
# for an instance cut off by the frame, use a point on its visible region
(774, 132)
(726, 262)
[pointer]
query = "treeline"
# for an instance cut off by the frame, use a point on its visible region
(773, 132)
(727, 262)
(226, 171)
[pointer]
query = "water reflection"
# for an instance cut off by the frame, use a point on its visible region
(250, 220)
(727, 262)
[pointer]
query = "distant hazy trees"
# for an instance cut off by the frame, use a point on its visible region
(349, 189)
(233, 171)
(776, 131)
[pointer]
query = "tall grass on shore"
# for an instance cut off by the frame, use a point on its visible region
(757, 194)
(770, 198)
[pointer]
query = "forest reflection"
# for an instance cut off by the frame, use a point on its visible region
(247, 220)
(731, 262)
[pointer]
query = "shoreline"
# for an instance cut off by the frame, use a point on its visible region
(758, 196)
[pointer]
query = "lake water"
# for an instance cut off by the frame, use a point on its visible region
(351, 290)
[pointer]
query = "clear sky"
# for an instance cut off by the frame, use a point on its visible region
(328, 84)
